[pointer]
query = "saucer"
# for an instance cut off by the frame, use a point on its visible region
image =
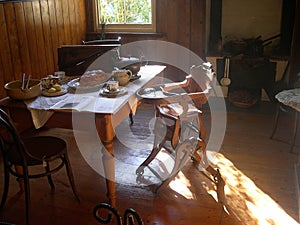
(111, 91)
(105, 92)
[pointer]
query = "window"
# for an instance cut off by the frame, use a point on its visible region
(125, 15)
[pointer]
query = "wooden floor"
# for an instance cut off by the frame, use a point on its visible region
(260, 184)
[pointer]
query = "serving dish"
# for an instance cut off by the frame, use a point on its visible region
(75, 86)
(15, 91)
(53, 94)
(153, 93)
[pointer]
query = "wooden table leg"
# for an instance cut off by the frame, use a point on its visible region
(109, 169)
(106, 134)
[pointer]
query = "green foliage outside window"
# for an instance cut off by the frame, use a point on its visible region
(125, 11)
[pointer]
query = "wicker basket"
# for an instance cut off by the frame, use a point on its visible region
(14, 89)
(243, 98)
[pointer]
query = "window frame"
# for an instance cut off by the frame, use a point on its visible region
(132, 28)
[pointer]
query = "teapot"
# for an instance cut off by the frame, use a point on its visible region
(122, 76)
(129, 63)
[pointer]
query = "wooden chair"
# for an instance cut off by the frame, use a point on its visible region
(130, 215)
(288, 100)
(179, 113)
(287, 94)
(21, 154)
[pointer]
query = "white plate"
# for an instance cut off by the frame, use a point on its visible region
(53, 94)
(153, 93)
(75, 85)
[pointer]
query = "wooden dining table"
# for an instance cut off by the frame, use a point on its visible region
(107, 113)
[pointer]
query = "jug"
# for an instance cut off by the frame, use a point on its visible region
(123, 76)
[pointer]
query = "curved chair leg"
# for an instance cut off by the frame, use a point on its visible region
(27, 195)
(158, 143)
(295, 130)
(70, 176)
(6, 185)
(154, 152)
(50, 181)
(275, 120)
(201, 145)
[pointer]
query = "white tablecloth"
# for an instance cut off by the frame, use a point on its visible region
(290, 98)
(43, 107)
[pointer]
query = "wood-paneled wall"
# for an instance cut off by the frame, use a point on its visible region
(31, 32)
(183, 22)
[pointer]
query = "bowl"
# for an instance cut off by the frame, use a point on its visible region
(14, 89)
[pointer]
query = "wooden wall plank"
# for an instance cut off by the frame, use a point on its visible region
(13, 40)
(4, 59)
(197, 39)
(39, 38)
(72, 18)
(4, 46)
(81, 20)
(89, 16)
(54, 32)
(2, 81)
(31, 40)
(60, 22)
(175, 21)
(66, 20)
(46, 29)
(22, 37)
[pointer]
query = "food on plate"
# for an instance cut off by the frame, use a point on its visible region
(92, 78)
(57, 87)
(52, 90)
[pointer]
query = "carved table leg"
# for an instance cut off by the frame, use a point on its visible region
(106, 134)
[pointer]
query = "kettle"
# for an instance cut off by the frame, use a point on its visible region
(128, 63)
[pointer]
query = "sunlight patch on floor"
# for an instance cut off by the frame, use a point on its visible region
(245, 200)
(182, 186)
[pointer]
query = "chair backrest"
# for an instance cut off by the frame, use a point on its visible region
(202, 78)
(12, 145)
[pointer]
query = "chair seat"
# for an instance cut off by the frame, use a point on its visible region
(176, 110)
(40, 150)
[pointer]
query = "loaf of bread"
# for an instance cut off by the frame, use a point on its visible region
(92, 78)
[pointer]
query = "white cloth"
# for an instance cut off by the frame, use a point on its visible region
(290, 97)
(42, 108)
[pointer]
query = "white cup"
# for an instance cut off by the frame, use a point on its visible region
(112, 85)
(60, 74)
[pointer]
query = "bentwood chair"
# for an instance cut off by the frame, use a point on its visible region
(29, 158)
(288, 101)
(179, 126)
